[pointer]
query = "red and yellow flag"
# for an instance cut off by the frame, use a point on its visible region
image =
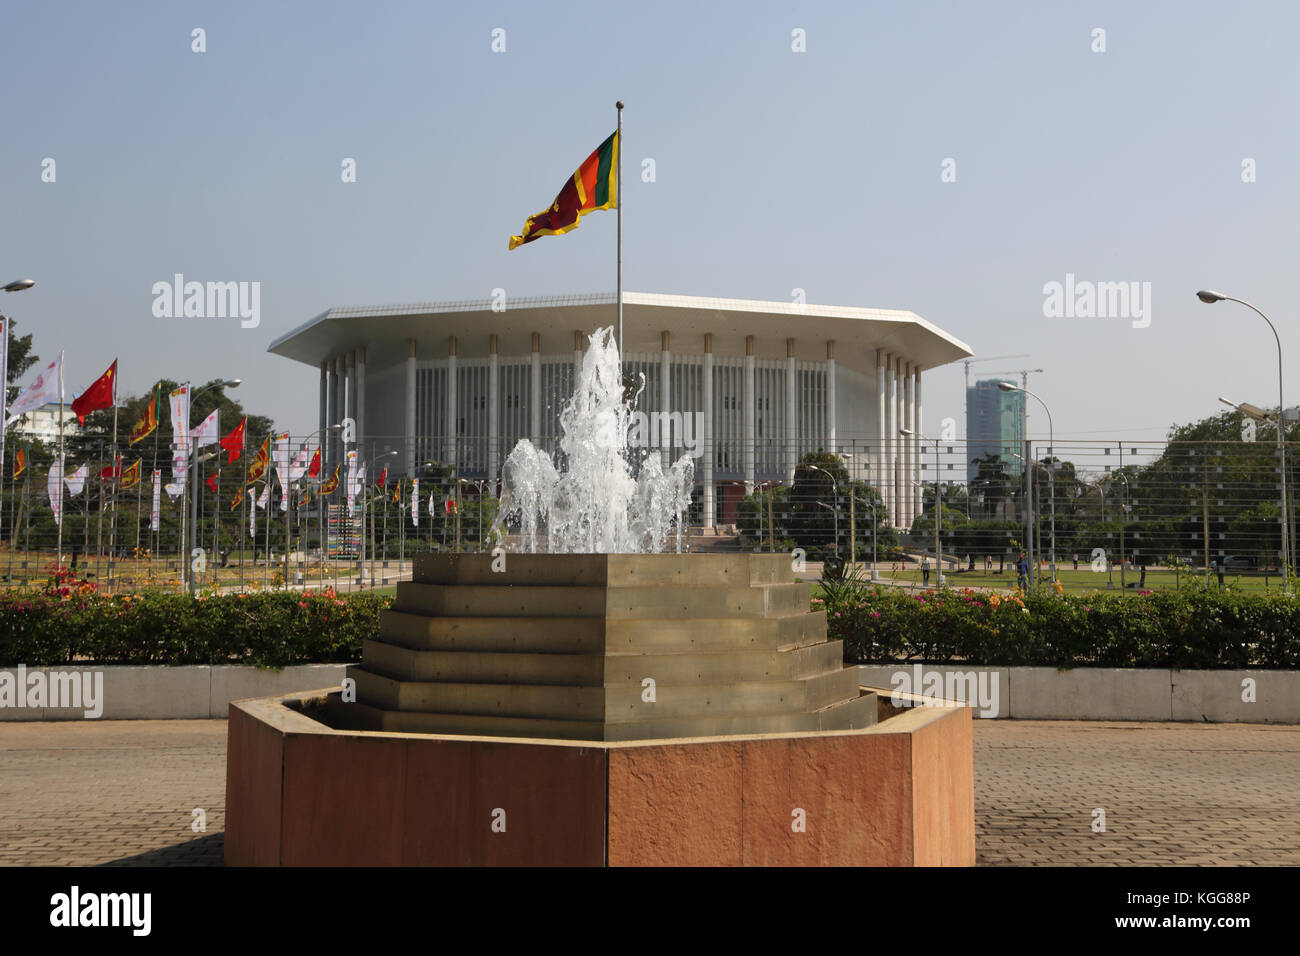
(148, 421)
(234, 442)
(330, 483)
(258, 467)
(594, 186)
(131, 475)
(20, 462)
(99, 395)
(239, 497)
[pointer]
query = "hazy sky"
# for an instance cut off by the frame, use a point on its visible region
(821, 170)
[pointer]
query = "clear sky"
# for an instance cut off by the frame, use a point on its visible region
(775, 170)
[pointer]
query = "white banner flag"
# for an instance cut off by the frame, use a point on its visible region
(297, 468)
(180, 407)
(415, 501)
(353, 483)
(252, 513)
(207, 432)
(156, 514)
(54, 485)
(265, 497)
(76, 481)
(45, 388)
(4, 380)
(433, 509)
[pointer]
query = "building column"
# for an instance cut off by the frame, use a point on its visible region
(350, 394)
(340, 370)
(326, 418)
(494, 414)
(748, 437)
(831, 440)
(891, 440)
(449, 445)
(912, 471)
(880, 475)
(535, 394)
(665, 436)
(577, 357)
(361, 397)
(920, 430)
(900, 473)
(706, 438)
(410, 407)
(791, 411)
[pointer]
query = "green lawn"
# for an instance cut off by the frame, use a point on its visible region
(1081, 580)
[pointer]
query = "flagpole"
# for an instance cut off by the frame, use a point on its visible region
(116, 477)
(618, 188)
(243, 494)
(59, 486)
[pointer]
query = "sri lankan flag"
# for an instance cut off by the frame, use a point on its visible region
(330, 483)
(258, 466)
(131, 475)
(594, 186)
(20, 462)
(148, 421)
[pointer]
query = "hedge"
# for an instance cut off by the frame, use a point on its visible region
(1184, 629)
(70, 623)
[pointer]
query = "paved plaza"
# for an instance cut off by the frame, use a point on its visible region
(124, 792)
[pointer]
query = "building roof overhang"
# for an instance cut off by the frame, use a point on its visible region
(384, 330)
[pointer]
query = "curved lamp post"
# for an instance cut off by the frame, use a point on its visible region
(1051, 469)
(1209, 297)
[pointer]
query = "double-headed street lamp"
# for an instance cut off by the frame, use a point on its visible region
(1051, 469)
(1210, 297)
(835, 490)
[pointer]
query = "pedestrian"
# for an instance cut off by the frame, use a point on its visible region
(1143, 581)
(1076, 561)
(925, 572)
(1022, 572)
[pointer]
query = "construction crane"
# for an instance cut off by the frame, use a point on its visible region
(992, 358)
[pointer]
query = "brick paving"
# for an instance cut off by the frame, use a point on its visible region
(122, 792)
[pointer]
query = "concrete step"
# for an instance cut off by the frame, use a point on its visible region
(613, 703)
(595, 670)
(541, 635)
(532, 601)
(604, 570)
(851, 715)
(574, 635)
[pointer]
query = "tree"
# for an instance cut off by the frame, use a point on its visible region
(21, 358)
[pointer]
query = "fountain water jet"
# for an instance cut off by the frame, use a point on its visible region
(596, 505)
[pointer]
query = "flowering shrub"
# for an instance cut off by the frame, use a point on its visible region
(68, 621)
(1202, 630)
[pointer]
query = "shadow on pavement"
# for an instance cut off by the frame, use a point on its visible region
(204, 851)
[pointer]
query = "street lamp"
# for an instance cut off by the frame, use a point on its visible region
(1210, 297)
(18, 285)
(938, 501)
(188, 572)
(1051, 468)
(835, 490)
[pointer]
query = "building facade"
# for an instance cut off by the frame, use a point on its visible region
(994, 426)
(748, 386)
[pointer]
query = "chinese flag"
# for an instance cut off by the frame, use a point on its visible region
(314, 469)
(112, 471)
(100, 395)
(212, 481)
(234, 442)
(383, 478)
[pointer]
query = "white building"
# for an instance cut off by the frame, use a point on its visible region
(43, 423)
(462, 382)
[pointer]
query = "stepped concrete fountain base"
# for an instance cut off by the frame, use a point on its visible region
(599, 709)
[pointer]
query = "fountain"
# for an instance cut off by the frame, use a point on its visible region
(588, 698)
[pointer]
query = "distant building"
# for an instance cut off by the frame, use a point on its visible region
(43, 423)
(994, 421)
(462, 382)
